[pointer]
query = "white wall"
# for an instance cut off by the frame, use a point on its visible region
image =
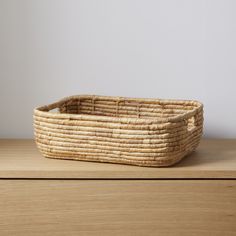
(182, 49)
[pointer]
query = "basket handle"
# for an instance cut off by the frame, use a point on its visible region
(191, 124)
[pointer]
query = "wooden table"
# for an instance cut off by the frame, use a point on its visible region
(40, 196)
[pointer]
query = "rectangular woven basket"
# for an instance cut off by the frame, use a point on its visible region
(144, 132)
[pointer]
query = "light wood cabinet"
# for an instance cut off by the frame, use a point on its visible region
(40, 196)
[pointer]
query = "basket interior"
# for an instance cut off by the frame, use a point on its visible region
(136, 108)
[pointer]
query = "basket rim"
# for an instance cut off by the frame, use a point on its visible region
(45, 109)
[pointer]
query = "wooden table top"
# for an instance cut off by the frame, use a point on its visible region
(214, 158)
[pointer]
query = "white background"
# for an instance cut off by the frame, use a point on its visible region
(183, 49)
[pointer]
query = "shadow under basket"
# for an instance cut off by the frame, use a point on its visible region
(135, 131)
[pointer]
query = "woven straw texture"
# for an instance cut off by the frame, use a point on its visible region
(144, 132)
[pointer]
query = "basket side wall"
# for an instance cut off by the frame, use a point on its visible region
(146, 145)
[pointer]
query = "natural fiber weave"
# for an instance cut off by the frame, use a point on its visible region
(144, 132)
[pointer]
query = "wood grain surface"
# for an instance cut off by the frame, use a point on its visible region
(21, 159)
(117, 207)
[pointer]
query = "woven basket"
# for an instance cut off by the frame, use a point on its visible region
(144, 132)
